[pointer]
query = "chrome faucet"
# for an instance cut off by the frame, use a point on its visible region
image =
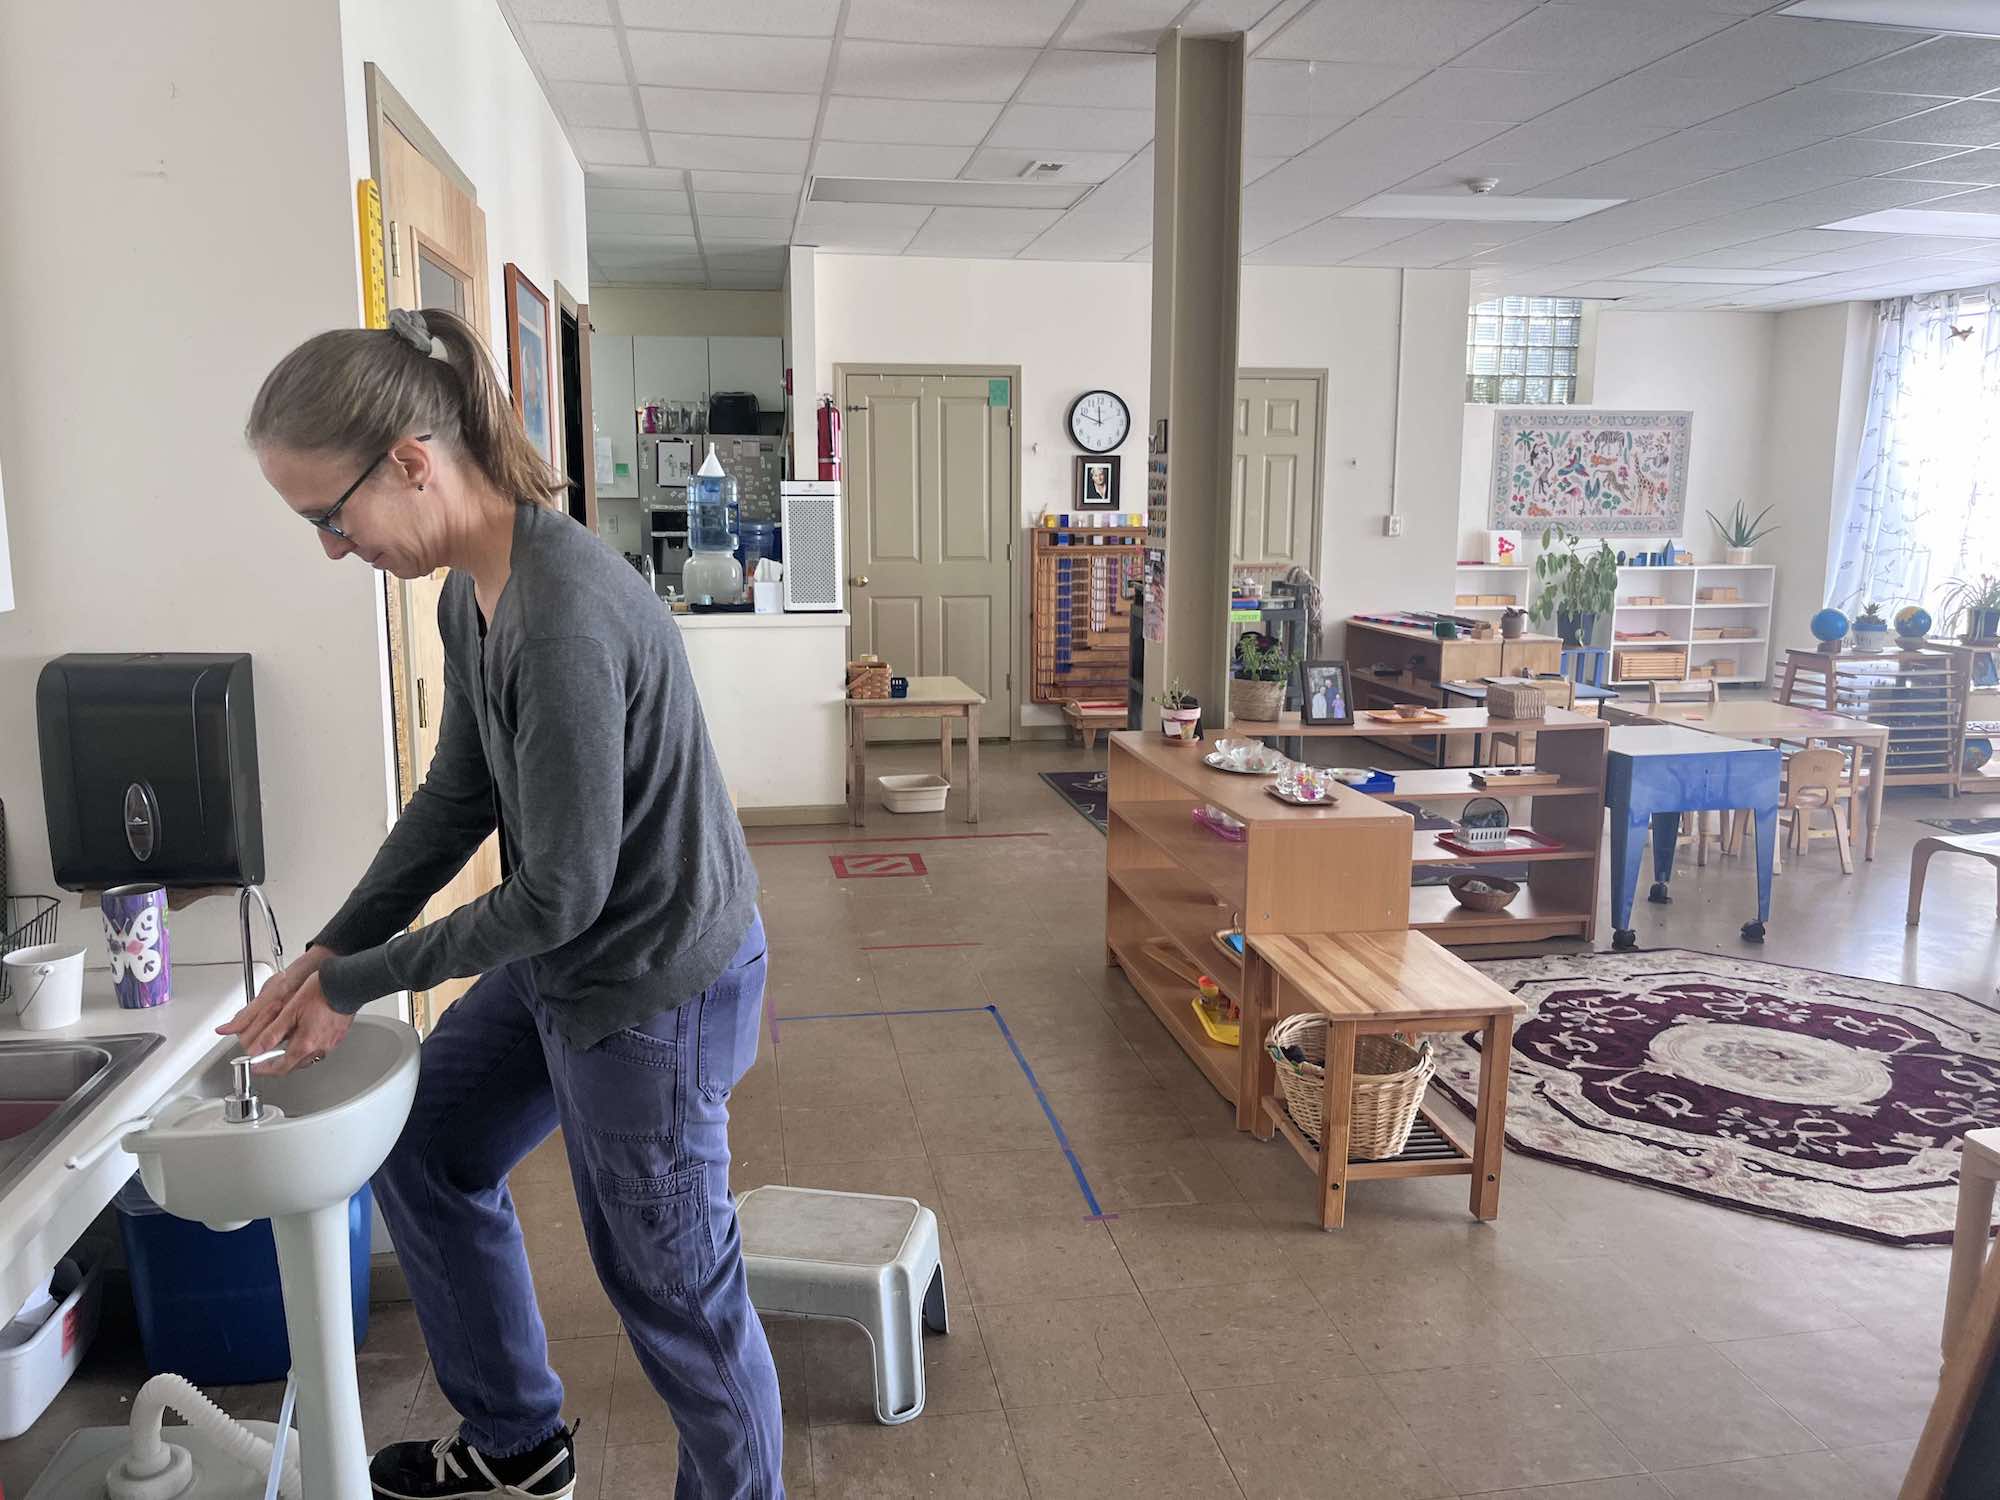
(277, 943)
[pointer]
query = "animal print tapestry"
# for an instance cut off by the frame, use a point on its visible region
(1605, 473)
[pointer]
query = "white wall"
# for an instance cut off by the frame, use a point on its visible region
(686, 310)
(1072, 326)
(187, 167)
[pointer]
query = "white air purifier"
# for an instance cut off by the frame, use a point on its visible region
(810, 512)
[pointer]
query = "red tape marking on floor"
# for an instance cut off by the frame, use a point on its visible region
(877, 866)
(906, 947)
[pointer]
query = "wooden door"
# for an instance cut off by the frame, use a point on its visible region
(437, 239)
(931, 520)
(1275, 508)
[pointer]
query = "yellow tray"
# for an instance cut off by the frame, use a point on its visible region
(1227, 1033)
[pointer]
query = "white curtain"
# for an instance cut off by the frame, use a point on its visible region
(1925, 507)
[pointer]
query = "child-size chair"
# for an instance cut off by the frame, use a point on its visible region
(1813, 782)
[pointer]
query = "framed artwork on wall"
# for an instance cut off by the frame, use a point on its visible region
(1603, 472)
(1325, 694)
(1096, 482)
(530, 356)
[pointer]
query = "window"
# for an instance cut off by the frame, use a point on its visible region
(1523, 350)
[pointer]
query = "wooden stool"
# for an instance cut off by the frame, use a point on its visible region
(1984, 846)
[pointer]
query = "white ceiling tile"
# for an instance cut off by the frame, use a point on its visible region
(1813, 113)
(744, 17)
(914, 122)
(1422, 32)
(874, 159)
(977, 23)
(1534, 154)
(730, 112)
(610, 148)
(1331, 90)
(726, 229)
(746, 281)
(745, 257)
(1083, 242)
(600, 225)
(891, 70)
(1825, 165)
(1484, 94)
(1004, 163)
(859, 226)
(729, 153)
(605, 106)
(1120, 80)
(584, 12)
(1255, 167)
(748, 205)
(1333, 240)
(980, 231)
(1964, 166)
(1960, 66)
(1981, 201)
(647, 179)
(611, 247)
(1969, 122)
(1661, 166)
(1121, 25)
(1281, 136)
(635, 200)
(746, 182)
(1891, 250)
(778, 64)
(1652, 96)
(1783, 50)
(1223, 17)
(1049, 127)
(1595, 43)
(579, 54)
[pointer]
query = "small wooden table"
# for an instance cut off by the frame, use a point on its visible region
(1758, 719)
(942, 698)
(1984, 846)
(1373, 982)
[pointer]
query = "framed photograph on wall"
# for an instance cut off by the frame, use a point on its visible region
(1325, 694)
(1096, 482)
(530, 361)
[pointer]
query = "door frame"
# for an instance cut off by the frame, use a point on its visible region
(1016, 538)
(1318, 378)
(567, 303)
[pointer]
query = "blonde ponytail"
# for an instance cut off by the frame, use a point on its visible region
(359, 391)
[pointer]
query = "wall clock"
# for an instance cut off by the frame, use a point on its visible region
(1099, 421)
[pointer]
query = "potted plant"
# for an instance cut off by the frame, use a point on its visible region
(1575, 587)
(1976, 603)
(1180, 714)
(1740, 532)
(1263, 667)
(1871, 631)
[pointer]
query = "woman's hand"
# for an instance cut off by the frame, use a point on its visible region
(291, 1011)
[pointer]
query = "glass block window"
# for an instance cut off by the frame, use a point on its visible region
(1521, 351)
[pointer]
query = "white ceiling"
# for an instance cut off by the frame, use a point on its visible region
(1732, 132)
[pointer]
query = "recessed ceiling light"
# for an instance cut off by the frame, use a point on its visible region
(1963, 17)
(1923, 221)
(948, 192)
(1710, 274)
(1488, 206)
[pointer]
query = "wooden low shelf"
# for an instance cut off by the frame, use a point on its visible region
(1167, 996)
(1531, 918)
(1433, 1150)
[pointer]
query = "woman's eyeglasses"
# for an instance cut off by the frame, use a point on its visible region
(324, 520)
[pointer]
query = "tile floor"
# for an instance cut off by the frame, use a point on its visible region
(1598, 1342)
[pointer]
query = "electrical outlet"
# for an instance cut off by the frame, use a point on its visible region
(1392, 526)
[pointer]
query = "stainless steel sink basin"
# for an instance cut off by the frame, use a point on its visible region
(46, 1084)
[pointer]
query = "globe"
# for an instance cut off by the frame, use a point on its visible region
(1829, 625)
(1913, 622)
(1978, 751)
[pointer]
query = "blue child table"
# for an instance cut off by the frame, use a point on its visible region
(1655, 772)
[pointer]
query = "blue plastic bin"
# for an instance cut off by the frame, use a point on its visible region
(209, 1305)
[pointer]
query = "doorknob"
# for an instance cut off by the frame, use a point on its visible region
(860, 581)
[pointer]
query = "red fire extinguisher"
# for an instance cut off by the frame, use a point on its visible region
(829, 438)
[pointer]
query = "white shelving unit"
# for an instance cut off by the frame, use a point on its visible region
(1683, 613)
(1490, 578)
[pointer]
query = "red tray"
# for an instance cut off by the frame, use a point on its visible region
(1519, 841)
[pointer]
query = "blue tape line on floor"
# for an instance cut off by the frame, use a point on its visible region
(1062, 1138)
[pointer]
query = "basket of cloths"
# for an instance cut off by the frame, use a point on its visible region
(1390, 1076)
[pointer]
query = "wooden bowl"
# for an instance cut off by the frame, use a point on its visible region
(1499, 898)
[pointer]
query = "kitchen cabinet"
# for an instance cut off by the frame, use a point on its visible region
(671, 369)
(612, 402)
(756, 365)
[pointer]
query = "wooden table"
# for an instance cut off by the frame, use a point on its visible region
(1373, 982)
(942, 698)
(1655, 772)
(1984, 846)
(1758, 719)
(1407, 648)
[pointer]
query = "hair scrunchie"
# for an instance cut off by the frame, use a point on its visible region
(414, 331)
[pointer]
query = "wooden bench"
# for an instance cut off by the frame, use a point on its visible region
(1088, 720)
(1984, 846)
(1373, 982)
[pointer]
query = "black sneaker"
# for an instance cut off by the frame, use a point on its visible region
(452, 1467)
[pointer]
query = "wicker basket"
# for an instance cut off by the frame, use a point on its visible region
(1498, 898)
(868, 679)
(1389, 1080)
(1516, 700)
(1261, 701)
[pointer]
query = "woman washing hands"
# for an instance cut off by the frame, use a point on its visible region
(621, 956)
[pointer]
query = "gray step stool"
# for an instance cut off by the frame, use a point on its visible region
(867, 1259)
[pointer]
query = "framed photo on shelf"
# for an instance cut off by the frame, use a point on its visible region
(1096, 481)
(530, 356)
(1325, 694)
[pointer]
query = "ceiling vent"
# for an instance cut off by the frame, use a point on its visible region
(1043, 171)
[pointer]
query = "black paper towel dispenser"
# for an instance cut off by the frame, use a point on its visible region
(149, 770)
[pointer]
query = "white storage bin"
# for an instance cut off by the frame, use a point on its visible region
(913, 794)
(32, 1373)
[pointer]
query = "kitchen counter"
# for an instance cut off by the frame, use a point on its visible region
(773, 690)
(42, 1214)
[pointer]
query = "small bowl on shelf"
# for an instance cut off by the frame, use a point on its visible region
(1483, 892)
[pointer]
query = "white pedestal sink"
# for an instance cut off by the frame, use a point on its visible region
(323, 1132)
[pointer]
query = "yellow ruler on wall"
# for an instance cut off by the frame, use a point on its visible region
(374, 268)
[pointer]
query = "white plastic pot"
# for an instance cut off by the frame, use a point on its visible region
(1180, 724)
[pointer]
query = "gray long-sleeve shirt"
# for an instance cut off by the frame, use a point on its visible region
(575, 720)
